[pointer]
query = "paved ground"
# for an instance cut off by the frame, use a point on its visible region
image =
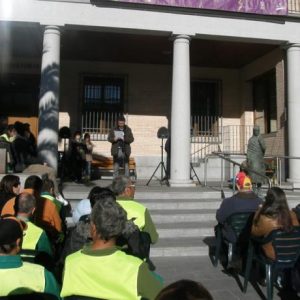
(221, 285)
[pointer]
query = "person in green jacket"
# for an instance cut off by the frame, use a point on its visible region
(36, 246)
(9, 134)
(124, 190)
(100, 269)
(19, 277)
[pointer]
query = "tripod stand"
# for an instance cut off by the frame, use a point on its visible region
(162, 167)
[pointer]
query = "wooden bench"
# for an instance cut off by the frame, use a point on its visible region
(106, 165)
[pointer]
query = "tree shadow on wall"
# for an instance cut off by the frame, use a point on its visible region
(48, 110)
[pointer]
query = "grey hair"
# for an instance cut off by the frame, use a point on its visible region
(109, 218)
(25, 203)
(119, 184)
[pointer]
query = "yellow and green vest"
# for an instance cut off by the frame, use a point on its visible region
(26, 279)
(54, 200)
(35, 240)
(134, 210)
(5, 137)
(110, 276)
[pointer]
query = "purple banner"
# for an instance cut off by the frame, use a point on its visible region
(263, 7)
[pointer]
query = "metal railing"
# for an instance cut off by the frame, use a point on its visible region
(206, 136)
(236, 137)
(278, 168)
(235, 163)
(98, 124)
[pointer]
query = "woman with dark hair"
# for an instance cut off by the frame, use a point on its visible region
(273, 214)
(9, 188)
(184, 290)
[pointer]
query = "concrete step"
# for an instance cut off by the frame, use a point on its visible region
(196, 246)
(173, 194)
(179, 251)
(176, 230)
(184, 218)
(169, 216)
(182, 204)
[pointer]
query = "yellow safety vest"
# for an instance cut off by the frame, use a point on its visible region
(112, 276)
(134, 210)
(22, 280)
(31, 237)
(5, 136)
(56, 202)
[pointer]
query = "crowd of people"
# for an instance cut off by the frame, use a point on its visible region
(75, 162)
(105, 255)
(265, 215)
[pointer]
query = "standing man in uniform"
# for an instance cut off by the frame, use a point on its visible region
(120, 137)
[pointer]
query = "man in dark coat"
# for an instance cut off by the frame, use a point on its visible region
(120, 137)
(243, 201)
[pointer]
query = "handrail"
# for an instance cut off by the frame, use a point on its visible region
(278, 165)
(216, 154)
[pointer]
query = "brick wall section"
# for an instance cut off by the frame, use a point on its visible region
(275, 142)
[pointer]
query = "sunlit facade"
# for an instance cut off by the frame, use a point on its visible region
(207, 70)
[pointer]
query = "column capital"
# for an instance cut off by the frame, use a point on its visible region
(290, 45)
(52, 29)
(176, 37)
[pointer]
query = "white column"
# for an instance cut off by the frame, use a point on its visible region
(49, 97)
(293, 89)
(181, 113)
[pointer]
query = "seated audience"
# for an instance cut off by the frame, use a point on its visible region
(18, 277)
(45, 214)
(245, 200)
(124, 189)
(22, 152)
(9, 134)
(84, 206)
(184, 290)
(9, 188)
(273, 214)
(36, 246)
(25, 157)
(242, 173)
(48, 192)
(80, 234)
(6, 140)
(102, 271)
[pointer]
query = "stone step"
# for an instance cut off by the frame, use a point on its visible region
(196, 246)
(176, 230)
(184, 218)
(185, 204)
(170, 195)
(179, 251)
(178, 205)
(169, 216)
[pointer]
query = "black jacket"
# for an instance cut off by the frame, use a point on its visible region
(128, 139)
(239, 203)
